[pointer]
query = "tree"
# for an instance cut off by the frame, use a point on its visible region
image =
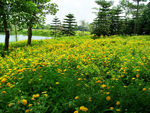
(5, 11)
(115, 27)
(37, 10)
(69, 25)
(83, 24)
(144, 21)
(137, 7)
(102, 22)
(55, 26)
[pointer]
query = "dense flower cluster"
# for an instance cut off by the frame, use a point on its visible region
(65, 75)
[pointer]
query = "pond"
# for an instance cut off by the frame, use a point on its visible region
(21, 37)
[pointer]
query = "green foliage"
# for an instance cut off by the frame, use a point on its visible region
(102, 22)
(77, 74)
(56, 26)
(69, 25)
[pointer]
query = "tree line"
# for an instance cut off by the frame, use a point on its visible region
(128, 18)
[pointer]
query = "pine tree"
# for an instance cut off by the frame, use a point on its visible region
(115, 27)
(55, 26)
(69, 25)
(102, 22)
(138, 6)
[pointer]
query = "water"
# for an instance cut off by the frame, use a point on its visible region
(21, 37)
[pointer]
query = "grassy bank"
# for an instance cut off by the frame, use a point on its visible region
(73, 74)
(48, 33)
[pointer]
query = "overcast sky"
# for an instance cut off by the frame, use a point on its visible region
(82, 10)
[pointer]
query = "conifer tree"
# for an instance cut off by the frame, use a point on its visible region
(55, 26)
(137, 7)
(69, 25)
(102, 22)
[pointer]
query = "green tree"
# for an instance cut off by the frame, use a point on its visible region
(102, 22)
(55, 26)
(138, 6)
(37, 10)
(7, 9)
(5, 12)
(115, 27)
(144, 21)
(69, 25)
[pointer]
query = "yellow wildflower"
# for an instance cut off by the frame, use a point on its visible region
(117, 103)
(30, 105)
(98, 81)
(57, 83)
(103, 86)
(108, 98)
(111, 108)
(75, 112)
(27, 111)
(90, 99)
(3, 92)
(3, 80)
(79, 79)
(24, 101)
(144, 89)
(77, 97)
(82, 108)
(10, 104)
(117, 109)
(46, 95)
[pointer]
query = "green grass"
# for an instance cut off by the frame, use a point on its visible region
(77, 74)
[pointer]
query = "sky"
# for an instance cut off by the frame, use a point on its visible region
(82, 10)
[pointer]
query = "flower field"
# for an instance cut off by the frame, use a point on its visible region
(77, 75)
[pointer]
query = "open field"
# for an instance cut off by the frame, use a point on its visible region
(77, 75)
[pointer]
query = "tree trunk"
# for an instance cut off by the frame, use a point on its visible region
(7, 35)
(16, 33)
(29, 35)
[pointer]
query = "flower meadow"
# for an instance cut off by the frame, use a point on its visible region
(77, 75)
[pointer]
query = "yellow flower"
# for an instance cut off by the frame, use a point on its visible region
(3, 80)
(77, 97)
(133, 78)
(90, 99)
(144, 89)
(44, 92)
(75, 112)
(107, 93)
(82, 108)
(37, 95)
(117, 103)
(27, 111)
(98, 81)
(24, 101)
(79, 79)
(3, 92)
(10, 104)
(8, 84)
(111, 108)
(103, 86)
(117, 109)
(108, 98)
(57, 83)
(46, 95)
(34, 70)
(137, 76)
(30, 105)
